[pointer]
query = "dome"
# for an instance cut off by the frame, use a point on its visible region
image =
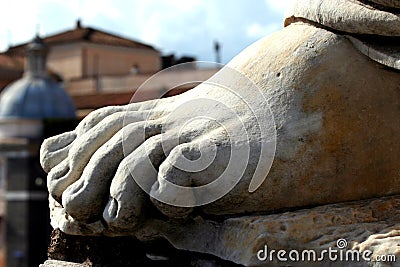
(35, 96)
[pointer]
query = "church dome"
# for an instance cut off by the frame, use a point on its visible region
(35, 98)
(35, 95)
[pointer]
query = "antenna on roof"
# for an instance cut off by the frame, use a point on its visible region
(217, 49)
(37, 29)
(78, 24)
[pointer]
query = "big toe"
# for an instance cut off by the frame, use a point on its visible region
(55, 149)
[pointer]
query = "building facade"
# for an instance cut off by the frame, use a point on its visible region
(88, 52)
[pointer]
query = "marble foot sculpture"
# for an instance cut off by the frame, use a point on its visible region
(306, 117)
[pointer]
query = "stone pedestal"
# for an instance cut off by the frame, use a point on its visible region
(363, 225)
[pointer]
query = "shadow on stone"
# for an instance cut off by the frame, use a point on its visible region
(122, 251)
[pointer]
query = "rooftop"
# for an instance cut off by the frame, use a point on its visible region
(84, 34)
(11, 63)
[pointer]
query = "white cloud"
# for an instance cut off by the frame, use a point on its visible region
(20, 19)
(91, 8)
(257, 30)
(279, 5)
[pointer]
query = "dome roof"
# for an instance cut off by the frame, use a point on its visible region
(35, 96)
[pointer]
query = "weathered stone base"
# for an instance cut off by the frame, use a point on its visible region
(366, 225)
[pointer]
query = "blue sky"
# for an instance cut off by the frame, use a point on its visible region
(183, 27)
